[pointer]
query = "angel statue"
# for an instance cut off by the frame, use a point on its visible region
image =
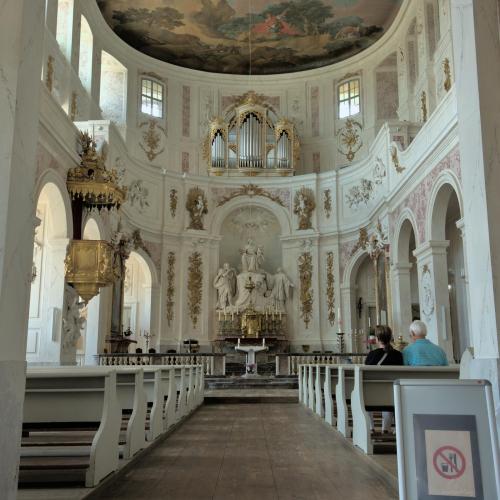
(225, 284)
(281, 290)
(73, 322)
(196, 205)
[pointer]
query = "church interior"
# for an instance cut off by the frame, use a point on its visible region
(248, 249)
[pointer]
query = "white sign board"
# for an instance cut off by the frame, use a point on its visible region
(447, 440)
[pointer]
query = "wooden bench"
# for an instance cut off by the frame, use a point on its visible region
(76, 400)
(373, 390)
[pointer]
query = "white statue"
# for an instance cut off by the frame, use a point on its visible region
(250, 256)
(225, 284)
(281, 289)
(73, 322)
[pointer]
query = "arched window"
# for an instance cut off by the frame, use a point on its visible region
(151, 97)
(348, 98)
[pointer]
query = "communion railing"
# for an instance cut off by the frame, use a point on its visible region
(213, 364)
(288, 364)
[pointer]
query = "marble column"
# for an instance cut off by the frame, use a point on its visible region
(434, 293)
(21, 42)
(401, 299)
(476, 48)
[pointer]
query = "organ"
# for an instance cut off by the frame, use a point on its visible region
(251, 140)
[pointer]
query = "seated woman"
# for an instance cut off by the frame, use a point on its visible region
(384, 355)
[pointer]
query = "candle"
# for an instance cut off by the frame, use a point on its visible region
(263, 342)
(238, 341)
(369, 322)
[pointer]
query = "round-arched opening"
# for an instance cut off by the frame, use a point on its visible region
(47, 278)
(137, 301)
(364, 311)
(442, 200)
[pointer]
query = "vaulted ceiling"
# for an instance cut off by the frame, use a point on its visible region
(242, 36)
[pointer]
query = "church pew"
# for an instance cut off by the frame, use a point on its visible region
(330, 381)
(81, 399)
(345, 385)
(373, 390)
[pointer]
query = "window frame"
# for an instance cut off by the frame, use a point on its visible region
(151, 97)
(351, 97)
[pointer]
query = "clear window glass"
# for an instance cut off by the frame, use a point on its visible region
(348, 98)
(151, 98)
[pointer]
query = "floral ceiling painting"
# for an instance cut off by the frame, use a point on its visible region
(243, 36)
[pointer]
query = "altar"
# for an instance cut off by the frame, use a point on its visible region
(251, 304)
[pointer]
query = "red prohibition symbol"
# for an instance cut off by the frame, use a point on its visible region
(449, 462)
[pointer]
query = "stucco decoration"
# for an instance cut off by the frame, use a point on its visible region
(73, 321)
(428, 303)
(153, 136)
(327, 202)
(379, 171)
(283, 36)
(349, 139)
(306, 292)
(170, 287)
(196, 205)
(395, 160)
(330, 288)
(280, 196)
(173, 202)
(303, 207)
(194, 286)
(360, 193)
(138, 195)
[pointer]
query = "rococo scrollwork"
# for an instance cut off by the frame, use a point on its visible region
(350, 141)
(306, 292)
(170, 286)
(327, 202)
(251, 190)
(330, 288)
(152, 139)
(173, 202)
(196, 205)
(303, 207)
(194, 288)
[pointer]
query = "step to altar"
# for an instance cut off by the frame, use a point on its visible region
(251, 390)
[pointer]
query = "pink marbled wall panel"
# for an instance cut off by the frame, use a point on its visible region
(315, 111)
(418, 199)
(186, 110)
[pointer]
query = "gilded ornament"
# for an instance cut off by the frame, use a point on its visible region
(170, 286)
(360, 193)
(304, 206)
(89, 266)
(173, 202)
(152, 139)
(250, 190)
(395, 160)
(91, 181)
(327, 202)
(49, 78)
(423, 105)
(330, 288)
(196, 205)
(73, 108)
(447, 74)
(195, 286)
(306, 291)
(350, 139)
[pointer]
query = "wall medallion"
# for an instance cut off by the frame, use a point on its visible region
(428, 302)
(350, 141)
(303, 207)
(330, 288)
(195, 286)
(306, 291)
(170, 286)
(196, 205)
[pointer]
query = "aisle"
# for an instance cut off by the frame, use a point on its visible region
(251, 451)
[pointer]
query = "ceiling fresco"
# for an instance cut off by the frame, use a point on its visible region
(250, 36)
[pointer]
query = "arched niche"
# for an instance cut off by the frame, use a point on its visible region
(47, 286)
(446, 219)
(140, 279)
(251, 222)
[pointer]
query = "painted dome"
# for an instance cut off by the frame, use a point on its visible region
(241, 36)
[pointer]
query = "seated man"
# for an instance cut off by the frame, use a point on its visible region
(422, 352)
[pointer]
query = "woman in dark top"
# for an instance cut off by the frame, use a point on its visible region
(385, 355)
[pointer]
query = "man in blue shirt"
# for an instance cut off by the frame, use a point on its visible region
(422, 352)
